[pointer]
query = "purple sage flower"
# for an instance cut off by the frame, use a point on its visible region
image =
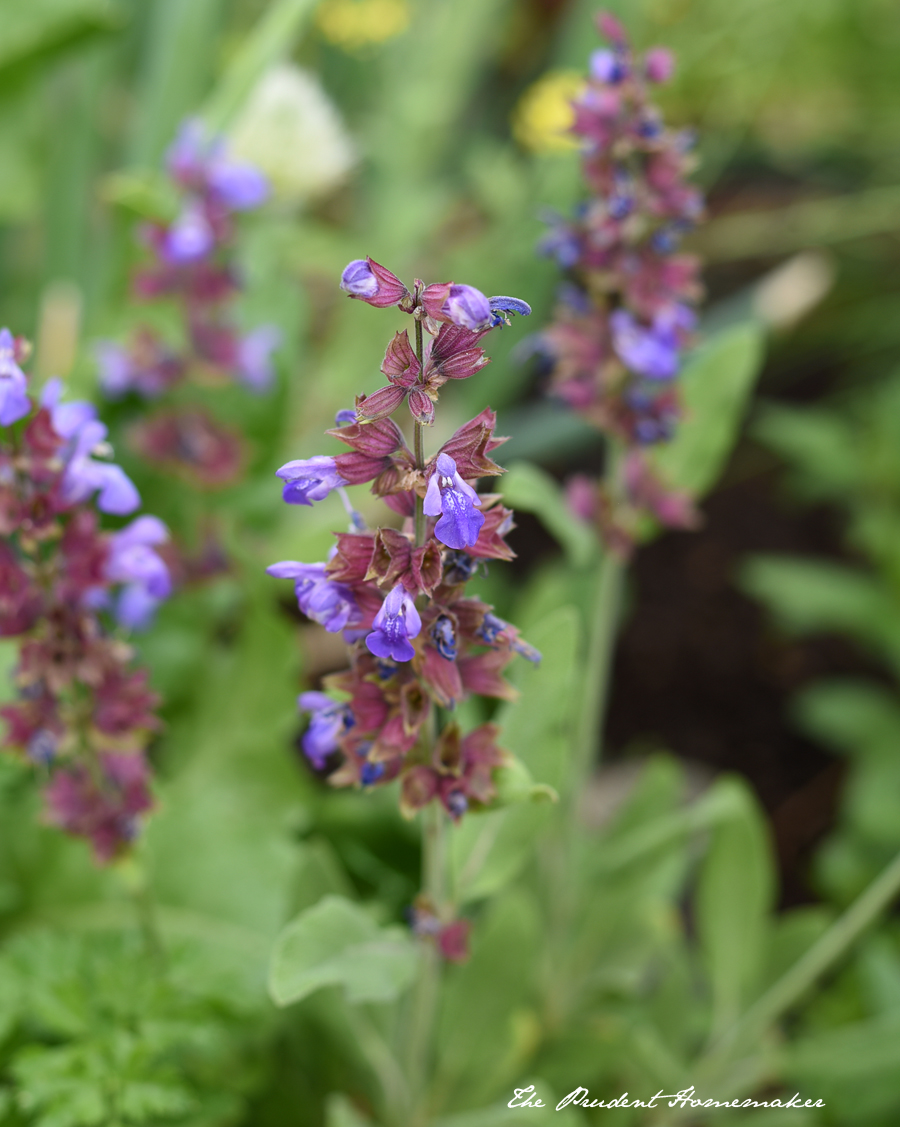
(455, 501)
(608, 66)
(254, 360)
(469, 308)
(329, 720)
(344, 417)
(133, 562)
(652, 351)
(240, 187)
(14, 402)
(85, 436)
(190, 237)
(320, 598)
(393, 626)
(358, 279)
(309, 479)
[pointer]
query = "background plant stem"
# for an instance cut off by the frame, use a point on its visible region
(598, 665)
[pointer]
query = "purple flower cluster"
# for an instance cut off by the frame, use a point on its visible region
(625, 313)
(83, 712)
(399, 595)
(192, 264)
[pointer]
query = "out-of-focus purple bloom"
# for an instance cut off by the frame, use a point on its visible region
(240, 187)
(116, 368)
(254, 359)
(202, 164)
(309, 479)
(42, 747)
(133, 562)
(370, 773)
(14, 402)
(320, 598)
(561, 243)
(103, 809)
(85, 435)
(190, 237)
(608, 66)
(659, 64)
(393, 626)
(329, 720)
(455, 501)
(652, 351)
(469, 308)
(503, 307)
(186, 156)
(345, 417)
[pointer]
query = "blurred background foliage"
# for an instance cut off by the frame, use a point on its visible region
(646, 922)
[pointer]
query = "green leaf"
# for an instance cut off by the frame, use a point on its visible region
(716, 385)
(336, 943)
(734, 897)
(515, 784)
(42, 25)
(849, 716)
(270, 40)
(818, 444)
(529, 488)
(808, 595)
(488, 850)
(340, 1112)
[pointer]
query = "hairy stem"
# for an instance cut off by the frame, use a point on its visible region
(419, 444)
(427, 991)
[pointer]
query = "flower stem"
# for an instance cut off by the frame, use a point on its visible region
(427, 991)
(419, 444)
(598, 665)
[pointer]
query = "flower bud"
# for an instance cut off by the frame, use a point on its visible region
(366, 280)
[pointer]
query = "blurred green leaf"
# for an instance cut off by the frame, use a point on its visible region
(818, 444)
(529, 488)
(733, 900)
(716, 384)
(271, 40)
(39, 25)
(337, 943)
(808, 595)
(340, 1112)
(850, 716)
(488, 850)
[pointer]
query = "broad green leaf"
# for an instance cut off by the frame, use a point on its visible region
(734, 898)
(488, 850)
(485, 1039)
(41, 25)
(717, 382)
(515, 784)
(336, 943)
(529, 488)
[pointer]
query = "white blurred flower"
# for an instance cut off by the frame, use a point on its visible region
(292, 132)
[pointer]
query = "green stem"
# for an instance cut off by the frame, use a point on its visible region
(794, 983)
(419, 444)
(425, 999)
(598, 665)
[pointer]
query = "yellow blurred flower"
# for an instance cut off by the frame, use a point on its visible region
(544, 113)
(352, 24)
